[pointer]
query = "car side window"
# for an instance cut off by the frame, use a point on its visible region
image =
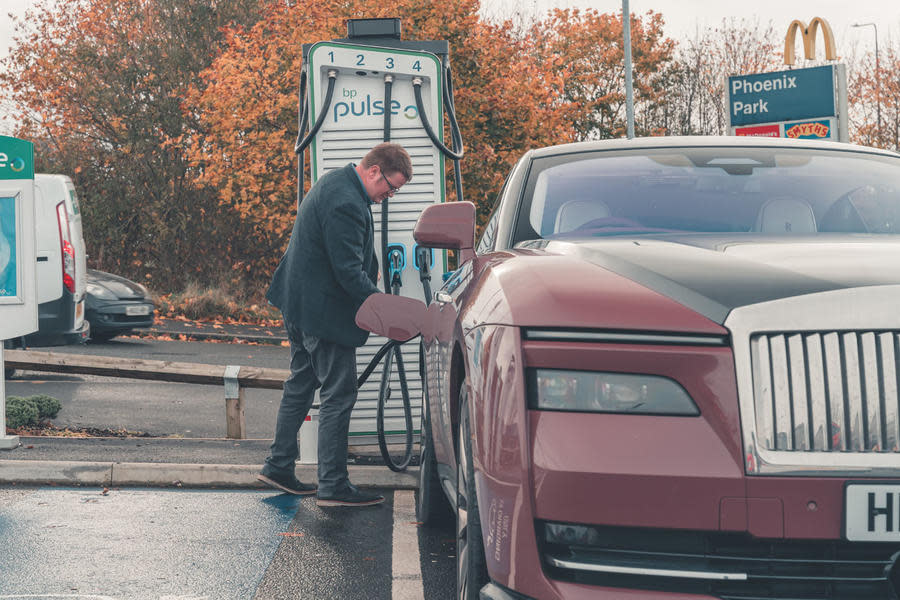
(486, 243)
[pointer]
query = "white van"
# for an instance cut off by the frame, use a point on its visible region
(61, 264)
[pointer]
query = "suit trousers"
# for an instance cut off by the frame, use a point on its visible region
(316, 364)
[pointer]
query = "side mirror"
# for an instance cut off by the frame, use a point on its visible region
(396, 317)
(450, 226)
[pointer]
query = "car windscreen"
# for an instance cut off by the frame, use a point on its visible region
(759, 190)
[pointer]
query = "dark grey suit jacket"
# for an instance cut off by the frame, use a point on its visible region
(329, 267)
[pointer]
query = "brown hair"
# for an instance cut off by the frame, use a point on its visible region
(390, 158)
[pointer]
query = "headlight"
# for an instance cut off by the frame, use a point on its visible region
(98, 291)
(587, 391)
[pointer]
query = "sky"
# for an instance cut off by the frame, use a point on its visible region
(683, 17)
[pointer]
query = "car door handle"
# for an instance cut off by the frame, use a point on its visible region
(443, 298)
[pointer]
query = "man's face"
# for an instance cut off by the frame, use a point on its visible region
(380, 185)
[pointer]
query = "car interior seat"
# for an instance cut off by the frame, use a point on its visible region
(786, 215)
(575, 213)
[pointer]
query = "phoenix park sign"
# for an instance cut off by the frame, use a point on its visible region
(808, 103)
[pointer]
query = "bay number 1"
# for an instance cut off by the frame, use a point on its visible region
(388, 62)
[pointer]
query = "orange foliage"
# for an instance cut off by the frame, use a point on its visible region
(178, 117)
(874, 90)
(559, 81)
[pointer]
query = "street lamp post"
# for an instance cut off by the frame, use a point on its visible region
(877, 73)
(629, 90)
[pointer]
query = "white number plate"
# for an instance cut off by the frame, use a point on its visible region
(872, 512)
(137, 311)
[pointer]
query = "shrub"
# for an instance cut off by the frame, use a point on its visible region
(48, 406)
(222, 301)
(20, 412)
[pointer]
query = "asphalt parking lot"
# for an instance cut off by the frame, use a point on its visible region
(151, 543)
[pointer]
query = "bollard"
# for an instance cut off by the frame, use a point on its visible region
(234, 404)
(309, 438)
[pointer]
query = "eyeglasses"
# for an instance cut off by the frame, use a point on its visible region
(393, 189)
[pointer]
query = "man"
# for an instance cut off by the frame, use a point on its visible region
(327, 271)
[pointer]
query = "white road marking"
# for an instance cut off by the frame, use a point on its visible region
(407, 571)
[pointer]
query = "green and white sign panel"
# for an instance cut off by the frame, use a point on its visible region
(18, 294)
(18, 306)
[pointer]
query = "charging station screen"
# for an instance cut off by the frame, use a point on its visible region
(8, 272)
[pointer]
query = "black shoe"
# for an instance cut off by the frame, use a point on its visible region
(350, 497)
(289, 484)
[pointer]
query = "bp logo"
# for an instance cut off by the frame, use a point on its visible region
(16, 159)
(368, 107)
(16, 164)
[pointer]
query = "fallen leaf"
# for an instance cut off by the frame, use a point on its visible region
(291, 534)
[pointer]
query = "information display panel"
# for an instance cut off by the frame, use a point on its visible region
(18, 298)
(18, 291)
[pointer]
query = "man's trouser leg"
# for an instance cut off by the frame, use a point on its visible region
(335, 368)
(296, 400)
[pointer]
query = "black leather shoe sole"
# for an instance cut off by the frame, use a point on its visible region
(284, 488)
(337, 502)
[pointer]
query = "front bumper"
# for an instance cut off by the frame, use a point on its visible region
(114, 316)
(721, 565)
(493, 591)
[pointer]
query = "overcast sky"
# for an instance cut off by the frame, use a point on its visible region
(683, 17)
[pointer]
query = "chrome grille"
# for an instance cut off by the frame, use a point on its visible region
(826, 391)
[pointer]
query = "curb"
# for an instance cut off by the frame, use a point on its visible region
(201, 336)
(109, 474)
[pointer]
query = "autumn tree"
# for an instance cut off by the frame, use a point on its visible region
(517, 87)
(248, 108)
(695, 103)
(100, 84)
(584, 53)
(873, 88)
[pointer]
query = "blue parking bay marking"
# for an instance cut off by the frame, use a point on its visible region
(140, 543)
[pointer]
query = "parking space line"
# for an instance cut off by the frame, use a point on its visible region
(406, 565)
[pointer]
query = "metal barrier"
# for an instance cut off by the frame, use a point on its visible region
(235, 378)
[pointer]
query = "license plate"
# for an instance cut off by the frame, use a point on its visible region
(872, 512)
(137, 311)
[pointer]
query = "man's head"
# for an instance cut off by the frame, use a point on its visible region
(384, 170)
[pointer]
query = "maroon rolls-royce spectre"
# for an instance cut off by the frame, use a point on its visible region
(669, 371)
